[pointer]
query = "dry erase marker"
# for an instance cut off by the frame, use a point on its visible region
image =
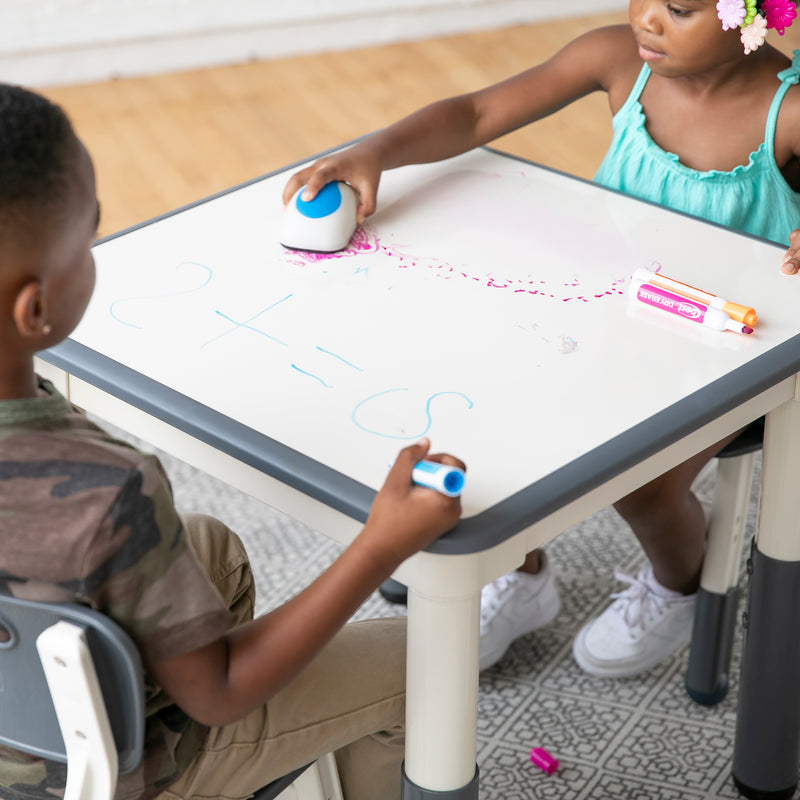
(688, 309)
(442, 477)
(735, 311)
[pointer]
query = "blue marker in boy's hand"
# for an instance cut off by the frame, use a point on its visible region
(441, 477)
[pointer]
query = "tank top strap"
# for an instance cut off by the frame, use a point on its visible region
(788, 77)
(638, 87)
(629, 110)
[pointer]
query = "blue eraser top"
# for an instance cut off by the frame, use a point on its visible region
(328, 199)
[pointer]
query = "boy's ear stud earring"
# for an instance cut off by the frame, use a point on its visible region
(47, 329)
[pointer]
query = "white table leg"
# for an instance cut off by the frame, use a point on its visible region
(442, 697)
(766, 761)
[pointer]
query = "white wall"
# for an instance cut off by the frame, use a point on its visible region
(51, 42)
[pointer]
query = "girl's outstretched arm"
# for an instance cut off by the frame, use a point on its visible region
(453, 126)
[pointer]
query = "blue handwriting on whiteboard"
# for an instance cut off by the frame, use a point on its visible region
(344, 361)
(150, 298)
(428, 416)
(247, 326)
(315, 377)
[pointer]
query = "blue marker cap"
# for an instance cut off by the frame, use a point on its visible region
(327, 200)
(441, 477)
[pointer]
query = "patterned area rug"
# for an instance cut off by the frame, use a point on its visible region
(634, 739)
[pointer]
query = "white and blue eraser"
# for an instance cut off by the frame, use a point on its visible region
(324, 224)
(441, 477)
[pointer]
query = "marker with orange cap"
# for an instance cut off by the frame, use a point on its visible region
(735, 311)
(686, 308)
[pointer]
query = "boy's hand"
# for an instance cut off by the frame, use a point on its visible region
(356, 166)
(791, 261)
(222, 681)
(404, 517)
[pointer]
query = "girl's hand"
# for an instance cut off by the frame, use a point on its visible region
(356, 166)
(406, 518)
(791, 261)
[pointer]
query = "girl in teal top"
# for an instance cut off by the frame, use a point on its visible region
(753, 197)
(706, 121)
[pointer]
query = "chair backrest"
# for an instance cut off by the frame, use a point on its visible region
(28, 720)
(36, 700)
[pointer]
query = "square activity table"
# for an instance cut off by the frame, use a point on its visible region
(484, 305)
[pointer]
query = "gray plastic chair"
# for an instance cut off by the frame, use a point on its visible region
(71, 690)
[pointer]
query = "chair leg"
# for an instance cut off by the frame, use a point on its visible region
(319, 782)
(718, 596)
(329, 777)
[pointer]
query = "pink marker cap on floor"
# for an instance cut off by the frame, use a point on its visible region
(544, 760)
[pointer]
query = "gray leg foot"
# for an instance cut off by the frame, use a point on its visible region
(413, 792)
(712, 642)
(766, 755)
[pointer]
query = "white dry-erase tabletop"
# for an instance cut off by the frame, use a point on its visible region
(484, 306)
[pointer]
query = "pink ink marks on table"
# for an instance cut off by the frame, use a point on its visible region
(366, 241)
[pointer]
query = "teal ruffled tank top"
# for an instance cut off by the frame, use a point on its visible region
(753, 198)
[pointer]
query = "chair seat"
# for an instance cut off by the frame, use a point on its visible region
(749, 440)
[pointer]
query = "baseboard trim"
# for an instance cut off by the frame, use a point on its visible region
(103, 60)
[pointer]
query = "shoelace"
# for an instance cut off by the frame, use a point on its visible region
(493, 597)
(640, 604)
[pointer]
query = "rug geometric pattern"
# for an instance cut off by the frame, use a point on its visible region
(639, 738)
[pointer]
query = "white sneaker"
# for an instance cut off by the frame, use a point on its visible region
(512, 606)
(644, 625)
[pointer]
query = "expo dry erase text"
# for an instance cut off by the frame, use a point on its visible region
(688, 309)
(735, 311)
(441, 477)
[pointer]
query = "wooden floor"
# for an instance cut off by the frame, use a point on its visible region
(161, 142)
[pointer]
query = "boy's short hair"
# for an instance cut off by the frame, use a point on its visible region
(36, 152)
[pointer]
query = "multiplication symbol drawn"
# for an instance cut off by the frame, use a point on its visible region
(205, 274)
(247, 324)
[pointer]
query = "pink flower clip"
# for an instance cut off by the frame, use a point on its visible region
(780, 14)
(754, 34)
(731, 13)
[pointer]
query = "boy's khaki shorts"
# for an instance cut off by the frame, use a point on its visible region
(350, 700)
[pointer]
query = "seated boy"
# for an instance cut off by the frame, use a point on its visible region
(232, 702)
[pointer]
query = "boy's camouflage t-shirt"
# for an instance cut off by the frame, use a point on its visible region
(85, 518)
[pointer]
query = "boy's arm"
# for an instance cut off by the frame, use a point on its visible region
(453, 126)
(227, 679)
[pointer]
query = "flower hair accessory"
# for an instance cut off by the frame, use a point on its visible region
(755, 17)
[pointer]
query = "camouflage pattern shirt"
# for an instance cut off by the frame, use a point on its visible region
(85, 518)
